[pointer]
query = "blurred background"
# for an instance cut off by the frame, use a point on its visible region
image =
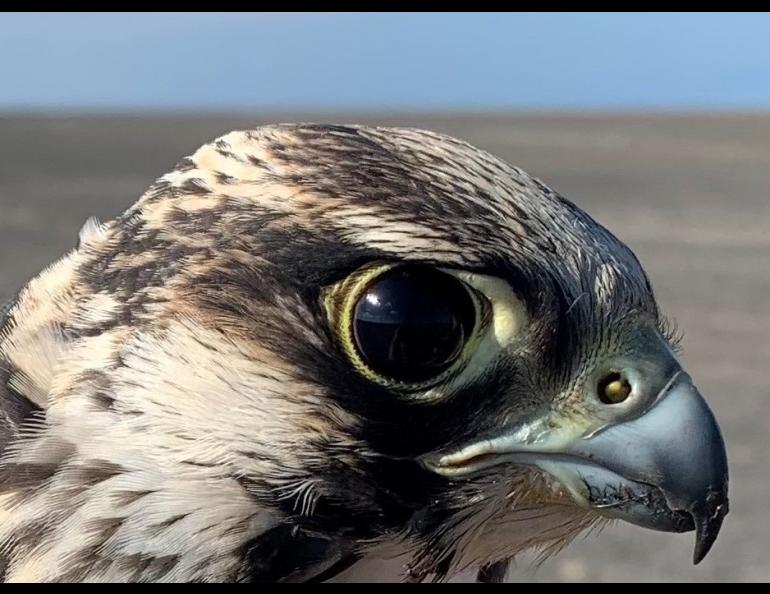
(657, 124)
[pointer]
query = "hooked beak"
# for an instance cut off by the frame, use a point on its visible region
(665, 470)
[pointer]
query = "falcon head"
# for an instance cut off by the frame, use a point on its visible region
(307, 345)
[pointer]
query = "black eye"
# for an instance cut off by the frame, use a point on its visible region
(412, 322)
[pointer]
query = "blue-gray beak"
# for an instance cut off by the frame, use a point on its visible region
(665, 469)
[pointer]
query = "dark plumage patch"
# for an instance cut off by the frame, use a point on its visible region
(168, 522)
(16, 408)
(185, 164)
(289, 554)
(103, 400)
(5, 309)
(195, 187)
(20, 477)
(125, 498)
(256, 161)
(225, 179)
(93, 472)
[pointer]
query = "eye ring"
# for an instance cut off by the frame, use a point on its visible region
(408, 324)
(614, 388)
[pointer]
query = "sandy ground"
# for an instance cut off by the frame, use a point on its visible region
(690, 195)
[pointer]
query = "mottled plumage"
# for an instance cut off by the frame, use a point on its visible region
(177, 405)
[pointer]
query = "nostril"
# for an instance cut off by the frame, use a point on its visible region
(614, 388)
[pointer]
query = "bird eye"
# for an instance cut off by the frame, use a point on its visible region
(411, 323)
(614, 388)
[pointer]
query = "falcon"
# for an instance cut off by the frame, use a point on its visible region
(311, 347)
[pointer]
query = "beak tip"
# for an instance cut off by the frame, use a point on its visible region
(708, 524)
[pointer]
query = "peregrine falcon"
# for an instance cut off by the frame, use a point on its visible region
(310, 346)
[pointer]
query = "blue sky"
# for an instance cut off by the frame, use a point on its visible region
(373, 62)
